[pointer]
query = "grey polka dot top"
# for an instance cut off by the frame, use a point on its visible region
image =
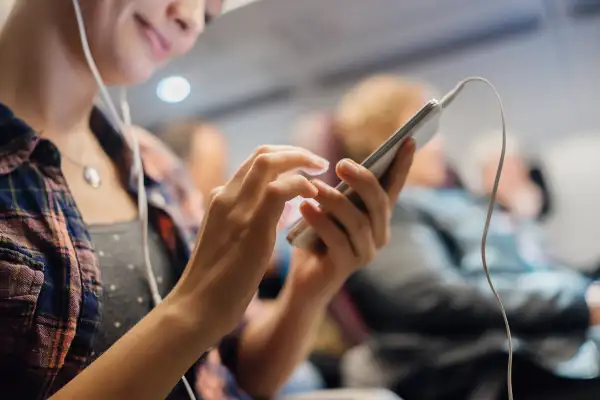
(126, 294)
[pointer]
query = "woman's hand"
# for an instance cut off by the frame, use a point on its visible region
(237, 236)
(363, 234)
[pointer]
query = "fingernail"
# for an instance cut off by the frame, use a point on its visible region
(321, 166)
(350, 167)
(409, 144)
(314, 171)
(320, 185)
(321, 163)
(311, 205)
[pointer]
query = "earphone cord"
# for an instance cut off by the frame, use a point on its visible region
(121, 125)
(446, 101)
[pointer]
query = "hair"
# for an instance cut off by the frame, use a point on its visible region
(374, 109)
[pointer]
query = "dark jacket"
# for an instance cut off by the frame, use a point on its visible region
(434, 319)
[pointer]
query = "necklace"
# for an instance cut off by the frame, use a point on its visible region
(91, 175)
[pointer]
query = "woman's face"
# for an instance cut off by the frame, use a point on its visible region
(130, 39)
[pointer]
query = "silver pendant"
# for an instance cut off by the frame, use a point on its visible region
(92, 177)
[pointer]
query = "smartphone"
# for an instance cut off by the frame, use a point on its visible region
(422, 127)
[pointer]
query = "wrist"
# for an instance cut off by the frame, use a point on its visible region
(193, 316)
(309, 292)
(300, 304)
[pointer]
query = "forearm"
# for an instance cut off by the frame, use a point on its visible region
(147, 362)
(275, 342)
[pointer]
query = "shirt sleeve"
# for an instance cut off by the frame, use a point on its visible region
(410, 286)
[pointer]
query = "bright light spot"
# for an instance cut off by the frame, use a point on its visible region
(174, 89)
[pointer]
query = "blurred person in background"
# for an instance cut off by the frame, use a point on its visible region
(203, 149)
(436, 329)
(77, 318)
(522, 190)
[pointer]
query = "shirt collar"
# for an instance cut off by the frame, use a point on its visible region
(17, 140)
(19, 143)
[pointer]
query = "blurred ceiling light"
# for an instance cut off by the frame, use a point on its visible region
(173, 89)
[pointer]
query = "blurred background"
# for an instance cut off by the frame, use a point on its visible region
(259, 69)
(256, 70)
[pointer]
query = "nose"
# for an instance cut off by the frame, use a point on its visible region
(188, 15)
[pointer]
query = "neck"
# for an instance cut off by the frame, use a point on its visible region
(43, 81)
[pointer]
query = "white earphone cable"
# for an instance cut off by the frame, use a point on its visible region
(446, 101)
(138, 172)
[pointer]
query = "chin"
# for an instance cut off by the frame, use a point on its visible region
(132, 73)
(140, 74)
(126, 67)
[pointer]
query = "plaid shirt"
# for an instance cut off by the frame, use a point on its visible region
(50, 285)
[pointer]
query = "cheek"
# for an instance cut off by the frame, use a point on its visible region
(125, 61)
(184, 46)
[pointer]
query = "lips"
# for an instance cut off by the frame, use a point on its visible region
(158, 44)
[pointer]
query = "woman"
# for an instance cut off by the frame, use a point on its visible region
(68, 215)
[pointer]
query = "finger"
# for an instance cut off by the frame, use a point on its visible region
(266, 169)
(214, 193)
(241, 173)
(375, 199)
(338, 245)
(399, 170)
(278, 193)
(263, 221)
(350, 219)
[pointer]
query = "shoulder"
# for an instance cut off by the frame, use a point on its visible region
(208, 142)
(210, 134)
